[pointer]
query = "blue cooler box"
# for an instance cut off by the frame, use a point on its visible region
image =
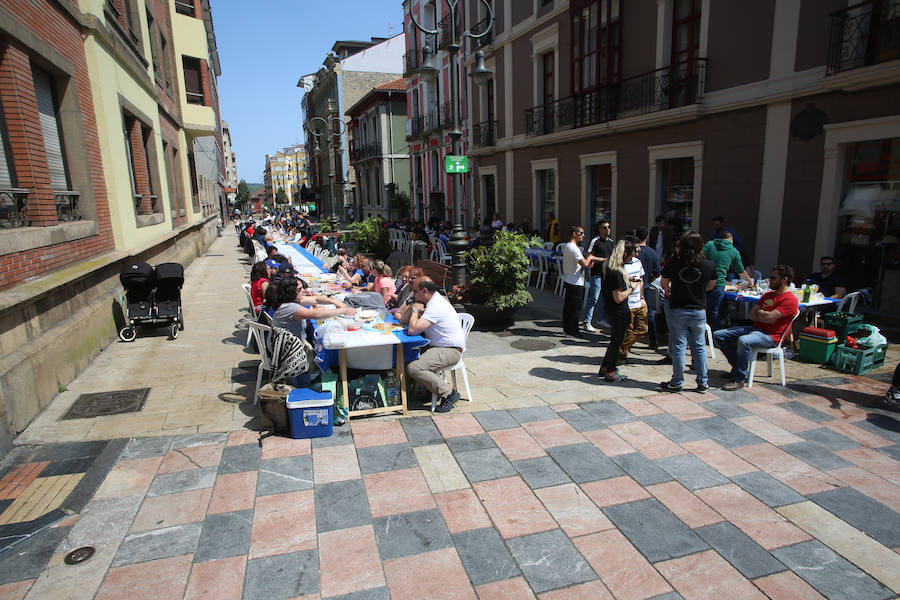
(310, 413)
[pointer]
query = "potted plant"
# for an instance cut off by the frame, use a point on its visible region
(371, 237)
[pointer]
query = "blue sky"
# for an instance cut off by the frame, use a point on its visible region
(265, 47)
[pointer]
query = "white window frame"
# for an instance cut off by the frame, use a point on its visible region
(592, 160)
(542, 42)
(482, 172)
(693, 149)
(544, 164)
(664, 10)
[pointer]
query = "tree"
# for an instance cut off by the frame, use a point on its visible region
(243, 195)
(281, 196)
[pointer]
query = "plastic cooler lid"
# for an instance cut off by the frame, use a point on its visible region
(307, 398)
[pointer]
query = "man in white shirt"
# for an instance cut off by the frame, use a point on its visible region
(638, 306)
(573, 266)
(432, 316)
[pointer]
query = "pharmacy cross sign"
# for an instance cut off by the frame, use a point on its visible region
(456, 164)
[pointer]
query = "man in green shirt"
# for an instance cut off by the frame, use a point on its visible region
(727, 259)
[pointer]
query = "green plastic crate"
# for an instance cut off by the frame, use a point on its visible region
(840, 322)
(859, 360)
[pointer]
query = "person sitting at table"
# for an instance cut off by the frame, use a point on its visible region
(340, 260)
(432, 316)
(831, 283)
(364, 276)
(773, 314)
(259, 281)
(384, 281)
(727, 259)
(295, 306)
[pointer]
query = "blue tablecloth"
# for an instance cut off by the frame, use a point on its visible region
(751, 300)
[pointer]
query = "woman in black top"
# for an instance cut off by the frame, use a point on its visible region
(615, 289)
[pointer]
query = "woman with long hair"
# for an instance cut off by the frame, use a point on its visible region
(384, 280)
(615, 289)
(686, 279)
(259, 281)
(295, 305)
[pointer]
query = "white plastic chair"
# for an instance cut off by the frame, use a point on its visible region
(853, 299)
(777, 352)
(711, 353)
(559, 276)
(253, 311)
(466, 321)
(548, 245)
(534, 268)
(443, 252)
(259, 332)
(560, 246)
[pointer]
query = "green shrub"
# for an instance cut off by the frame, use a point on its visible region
(499, 272)
(370, 236)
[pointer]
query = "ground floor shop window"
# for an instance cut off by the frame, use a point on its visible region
(599, 195)
(546, 198)
(489, 198)
(676, 193)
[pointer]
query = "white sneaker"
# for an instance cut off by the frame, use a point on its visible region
(588, 327)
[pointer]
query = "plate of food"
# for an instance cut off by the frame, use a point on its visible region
(366, 315)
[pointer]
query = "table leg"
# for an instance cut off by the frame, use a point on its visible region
(400, 370)
(345, 388)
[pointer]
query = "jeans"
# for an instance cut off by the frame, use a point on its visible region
(593, 300)
(636, 329)
(619, 319)
(737, 344)
(688, 328)
(651, 326)
(573, 302)
(714, 299)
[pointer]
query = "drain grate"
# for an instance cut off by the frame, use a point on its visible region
(101, 404)
(532, 345)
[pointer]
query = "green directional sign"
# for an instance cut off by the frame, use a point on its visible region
(456, 164)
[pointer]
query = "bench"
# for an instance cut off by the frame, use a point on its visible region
(436, 271)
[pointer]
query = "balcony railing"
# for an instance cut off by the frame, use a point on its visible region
(415, 126)
(864, 34)
(670, 87)
(67, 205)
(364, 151)
(412, 60)
(13, 205)
(485, 40)
(194, 98)
(484, 134)
(445, 37)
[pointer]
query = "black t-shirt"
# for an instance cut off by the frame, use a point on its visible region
(827, 284)
(689, 282)
(603, 249)
(613, 280)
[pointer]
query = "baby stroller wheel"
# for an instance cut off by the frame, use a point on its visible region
(127, 334)
(173, 331)
(180, 321)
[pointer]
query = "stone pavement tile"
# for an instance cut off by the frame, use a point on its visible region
(573, 510)
(743, 553)
(833, 407)
(776, 415)
(684, 505)
(592, 590)
(549, 561)
(736, 397)
(374, 459)
(829, 439)
(440, 468)
(608, 442)
(461, 510)
(282, 576)
(679, 407)
(420, 431)
(891, 451)
(615, 490)
(880, 425)
(513, 507)
(289, 474)
(787, 586)
(484, 555)
(495, 419)
(766, 430)
(394, 492)
(639, 468)
(482, 441)
(280, 447)
(380, 593)
(28, 558)
(766, 488)
(59, 581)
(706, 575)
(240, 438)
(871, 485)
(18, 478)
(647, 440)
(458, 425)
(102, 521)
(725, 409)
(163, 579)
(639, 407)
(580, 419)
(762, 524)
(146, 447)
(797, 474)
(873, 461)
(690, 471)
(553, 432)
(129, 477)
(283, 523)
(872, 518)
(540, 472)
(15, 590)
(340, 505)
(224, 535)
(335, 463)
(677, 431)
(621, 567)
(172, 509)
(377, 433)
(806, 411)
(724, 432)
(234, 491)
(875, 559)
(584, 462)
(221, 579)
(349, 561)
(668, 538)
(833, 576)
(481, 465)
(516, 444)
(531, 414)
(159, 543)
(722, 460)
(446, 580)
(196, 457)
(237, 458)
(411, 533)
(342, 434)
(608, 412)
(817, 456)
(182, 481)
(508, 589)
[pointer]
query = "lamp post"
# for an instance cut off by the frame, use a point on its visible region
(458, 243)
(332, 131)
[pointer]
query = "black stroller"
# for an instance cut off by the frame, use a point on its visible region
(153, 297)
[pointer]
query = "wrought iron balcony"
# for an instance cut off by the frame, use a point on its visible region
(670, 87)
(362, 152)
(445, 37)
(415, 126)
(864, 34)
(484, 134)
(67, 205)
(410, 61)
(485, 40)
(13, 206)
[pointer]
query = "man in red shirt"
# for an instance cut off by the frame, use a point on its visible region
(773, 314)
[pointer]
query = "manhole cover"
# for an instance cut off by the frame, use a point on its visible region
(79, 555)
(107, 403)
(532, 345)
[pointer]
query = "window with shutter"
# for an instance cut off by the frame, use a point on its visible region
(192, 85)
(53, 142)
(7, 175)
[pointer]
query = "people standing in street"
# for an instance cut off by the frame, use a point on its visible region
(727, 260)
(637, 327)
(661, 238)
(573, 265)
(719, 231)
(600, 248)
(686, 279)
(651, 263)
(617, 288)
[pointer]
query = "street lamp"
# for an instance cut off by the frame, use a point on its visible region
(458, 243)
(332, 131)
